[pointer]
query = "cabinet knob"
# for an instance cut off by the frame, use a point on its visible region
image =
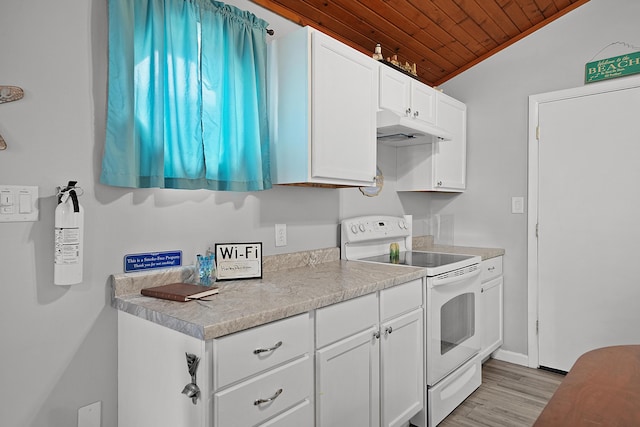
(268, 399)
(408, 111)
(416, 114)
(439, 183)
(376, 334)
(265, 350)
(388, 330)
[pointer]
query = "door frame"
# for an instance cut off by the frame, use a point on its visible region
(532, 194)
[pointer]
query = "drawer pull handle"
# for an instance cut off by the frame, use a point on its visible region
(491, 268)
(268, 399)
(264, 350)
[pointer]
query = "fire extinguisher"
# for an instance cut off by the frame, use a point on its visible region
(69, 230)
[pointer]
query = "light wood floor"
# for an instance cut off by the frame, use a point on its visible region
(510, 396)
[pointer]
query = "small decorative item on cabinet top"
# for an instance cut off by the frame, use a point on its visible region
(407, 68)
(394, 63)
(377, 53)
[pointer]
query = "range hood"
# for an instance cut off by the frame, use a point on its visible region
(401, 130)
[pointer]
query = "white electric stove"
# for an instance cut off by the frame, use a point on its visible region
(452, 342)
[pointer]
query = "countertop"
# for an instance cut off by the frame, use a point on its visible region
(242, 304)
(425, 243)
(291, 284)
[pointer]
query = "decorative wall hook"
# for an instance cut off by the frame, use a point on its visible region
(8, 94)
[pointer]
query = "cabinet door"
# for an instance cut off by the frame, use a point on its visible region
(395, 90)
(344, 98)
(492, 313)
(450, 166)
(423, 102)
(402, 372)
(348, 382)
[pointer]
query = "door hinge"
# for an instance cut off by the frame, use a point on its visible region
(537, 228)
(538, 133)
(537, 326)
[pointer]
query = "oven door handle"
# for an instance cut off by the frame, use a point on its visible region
(448, 280)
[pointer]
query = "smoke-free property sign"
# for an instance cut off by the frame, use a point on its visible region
(152, 260)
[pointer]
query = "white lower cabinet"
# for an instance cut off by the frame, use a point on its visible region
(152, 372)
(260, 398)
(402, 384)
(491, 299)
(367, 366)
(370, 361)
(264, 373)
(347, 381)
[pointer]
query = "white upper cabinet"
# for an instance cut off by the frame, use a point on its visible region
(322, 106)
(406, 96)
(450, 171)
(440, 165)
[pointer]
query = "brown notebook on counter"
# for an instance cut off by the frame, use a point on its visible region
(179, 291)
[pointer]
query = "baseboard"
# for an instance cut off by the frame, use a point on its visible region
(511, 357)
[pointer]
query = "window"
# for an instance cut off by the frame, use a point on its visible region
(187, 97)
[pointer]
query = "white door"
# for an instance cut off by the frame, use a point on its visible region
(589, 225)
(344, 92)
(402, 373)
(450, 170)
(348, 382)
(423, 102)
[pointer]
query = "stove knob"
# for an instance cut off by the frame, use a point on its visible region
(354, 229)
(361, 227)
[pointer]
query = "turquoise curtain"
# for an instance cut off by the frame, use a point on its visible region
(187, 97)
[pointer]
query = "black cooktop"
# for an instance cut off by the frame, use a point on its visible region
(420, 259)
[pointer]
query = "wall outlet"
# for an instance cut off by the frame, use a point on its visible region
(89, 416)
(281, 234)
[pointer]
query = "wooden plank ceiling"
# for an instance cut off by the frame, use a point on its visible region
(442, 37)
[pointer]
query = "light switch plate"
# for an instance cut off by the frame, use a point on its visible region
(517, 205)
(18, 203)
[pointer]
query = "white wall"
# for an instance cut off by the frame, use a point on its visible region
(58, 344)
(496, 93)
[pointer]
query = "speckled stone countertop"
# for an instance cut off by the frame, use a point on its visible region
(291, 284)
(425, 243)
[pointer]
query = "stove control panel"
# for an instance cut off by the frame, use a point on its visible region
(371, 228)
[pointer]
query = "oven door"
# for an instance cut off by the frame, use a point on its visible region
(452, 323)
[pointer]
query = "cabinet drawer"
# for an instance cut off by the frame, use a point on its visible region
(491, 268)
(236, 406)
(300, 415)
(346, 318)
(245, 353)
(400, 299)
